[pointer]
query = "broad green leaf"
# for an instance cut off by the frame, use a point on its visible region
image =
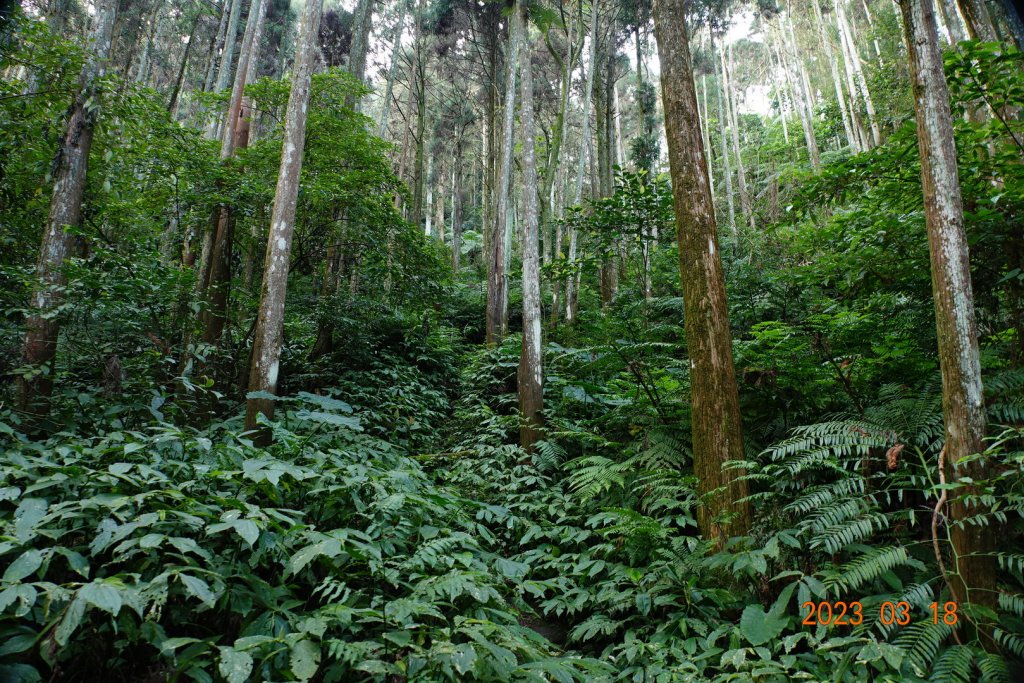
(758, 626)
(69, 621)
(305, 659)
(101, 595)
(26, 564)
(234, 666)
(198, 588)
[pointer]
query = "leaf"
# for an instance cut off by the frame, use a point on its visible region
(330, 418)
(25, 565)
(198, 588)
(70, 621)
(234, 666)
(28, 514)
(464, 658)
(305, 659)
(643, 603)
(331, 548)
(759, 627)
(24, 593)
(247, 529)
(101, 595)
(510, 569)
(78, 564)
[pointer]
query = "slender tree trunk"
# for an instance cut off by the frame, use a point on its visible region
(218, 285)
(458, 201)
(361, 26)
(853, 59)
(717, 430)
(266, 350)
(951, 18)
(396, 47)
(571, 287)
(530, 375)
(837, 84)
(963, 409)
(803, 92)
(42, 328)
(497, 276)
(172, 105)
(418, 79)
(730, 109)
(726, 168)
(216, 46)
(978, 20)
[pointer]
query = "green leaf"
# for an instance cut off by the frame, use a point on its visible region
(247, 529)
(25, 565)
(759, 627)
(101, 595)
(28, 514)
(70, 621)
(198, 588)
(234, 666)
(305, 659)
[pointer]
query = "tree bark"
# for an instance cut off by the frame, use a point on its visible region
(361, 26)
(963, 408)
(978, 20)
(497, 275)
(218, 285)
(42, 329)
(853, 60)
(396, 46)
(530, 374)
(726, 166)
(172, 105)
(717, 430)
(571, 288)
(266, 350)
(837, 84)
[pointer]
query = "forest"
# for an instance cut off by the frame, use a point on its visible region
(512, 340)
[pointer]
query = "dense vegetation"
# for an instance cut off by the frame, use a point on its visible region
(400, 511)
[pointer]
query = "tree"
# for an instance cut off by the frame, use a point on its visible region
(717, 430)
(42, 326)
(530, 375)
(963, 409)
(266, 350)
(497, 275)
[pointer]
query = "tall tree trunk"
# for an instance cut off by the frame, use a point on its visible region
(172, 105)
(951, 18)
(218, 285)
(804, 106)
(216, 46)
(853, 59)
(571, 288)
(530, 374)
(730, 109)
(361, 25)
(266, 350)
(458, 201)
(726, 167)
(717, 430)
(418, 83)
(978, 20)
(497, 275)
(974, 577)
(42, 329)
(837, 84)
(396, 47)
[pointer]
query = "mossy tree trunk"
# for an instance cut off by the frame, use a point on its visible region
(717, 430)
